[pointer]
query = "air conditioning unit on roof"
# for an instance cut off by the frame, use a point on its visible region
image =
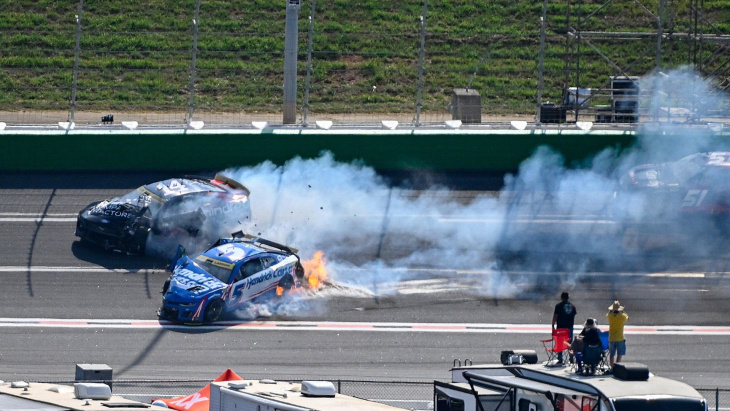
(318, 389)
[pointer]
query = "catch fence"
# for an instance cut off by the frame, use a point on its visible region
(414, 395)
(423, 62)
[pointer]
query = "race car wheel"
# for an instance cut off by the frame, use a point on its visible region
(214, 311)
(286, 283)
(165, 286)
(299, 271)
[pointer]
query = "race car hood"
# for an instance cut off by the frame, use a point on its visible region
(111, 213)
(188, 281)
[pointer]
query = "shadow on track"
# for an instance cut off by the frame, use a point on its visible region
(112, 260)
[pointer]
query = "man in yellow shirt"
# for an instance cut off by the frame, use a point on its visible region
(616, 342)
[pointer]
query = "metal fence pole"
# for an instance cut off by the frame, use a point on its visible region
(291, 41)
(660, 33)
(421, 57)
(193, 63)
(307, 83)
(77, 52)
(541, 65)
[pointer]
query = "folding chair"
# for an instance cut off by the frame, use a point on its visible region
(592, 358)
(560, 343)
(603, 365)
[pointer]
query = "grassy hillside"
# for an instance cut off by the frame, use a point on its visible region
(137, 55)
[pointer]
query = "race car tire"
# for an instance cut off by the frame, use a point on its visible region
(299, 271)
(165, 286)
(214, 311)
(286, 283)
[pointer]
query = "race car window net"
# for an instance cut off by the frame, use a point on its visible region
(251, 267)
(267, 262)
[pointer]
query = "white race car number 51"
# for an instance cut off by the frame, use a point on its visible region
(694, 198)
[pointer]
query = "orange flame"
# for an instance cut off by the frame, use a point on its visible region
(314, 270)
(279, 291)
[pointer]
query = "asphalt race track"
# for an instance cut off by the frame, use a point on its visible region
(65, 303)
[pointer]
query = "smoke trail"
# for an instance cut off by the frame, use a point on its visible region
(624, 224)
(548, 218)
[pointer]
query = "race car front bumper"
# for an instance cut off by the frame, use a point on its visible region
(179, 312)
(168, 313)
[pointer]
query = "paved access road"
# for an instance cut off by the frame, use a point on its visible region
(64, 303)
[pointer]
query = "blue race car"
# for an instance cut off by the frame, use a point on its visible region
(232, 273)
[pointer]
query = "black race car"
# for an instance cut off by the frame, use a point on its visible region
(191, 206)
(695, 184)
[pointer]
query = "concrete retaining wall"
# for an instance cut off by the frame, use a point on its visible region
(179, 149)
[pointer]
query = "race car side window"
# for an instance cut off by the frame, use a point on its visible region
(267, 262)
(249, 268)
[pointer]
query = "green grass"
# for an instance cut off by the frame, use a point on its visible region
(137, 55)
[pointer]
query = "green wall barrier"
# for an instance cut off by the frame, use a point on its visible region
(140, 150)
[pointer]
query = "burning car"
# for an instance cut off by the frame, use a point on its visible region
(193, 207)
(232, 273)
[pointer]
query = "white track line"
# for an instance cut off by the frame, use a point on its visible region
(346, 326)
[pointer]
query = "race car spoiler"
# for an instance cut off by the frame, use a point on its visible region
(231, 182)
(263, 241)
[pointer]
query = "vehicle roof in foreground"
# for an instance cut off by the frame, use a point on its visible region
(536, 376)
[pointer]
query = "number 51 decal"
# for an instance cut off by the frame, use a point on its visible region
(694, 198)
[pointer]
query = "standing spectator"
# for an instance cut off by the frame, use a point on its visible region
(564, 317)
(616, 342)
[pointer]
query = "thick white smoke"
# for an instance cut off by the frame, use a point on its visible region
(547, 218)
(368, 230)
(606, 226)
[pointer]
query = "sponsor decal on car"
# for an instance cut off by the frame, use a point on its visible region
(266, 276)
(229, 207)
(199, 310)
(188, 278)
(111, 210)
(215, 262)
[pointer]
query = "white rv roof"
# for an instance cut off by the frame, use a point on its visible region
(275, 391)
(48, 397)
(608, 385)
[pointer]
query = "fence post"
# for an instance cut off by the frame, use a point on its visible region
(717, 399)
(291, 41)
(541, 65)
(421, 57)
(193, 63)
(77, 52)
(305, 108)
